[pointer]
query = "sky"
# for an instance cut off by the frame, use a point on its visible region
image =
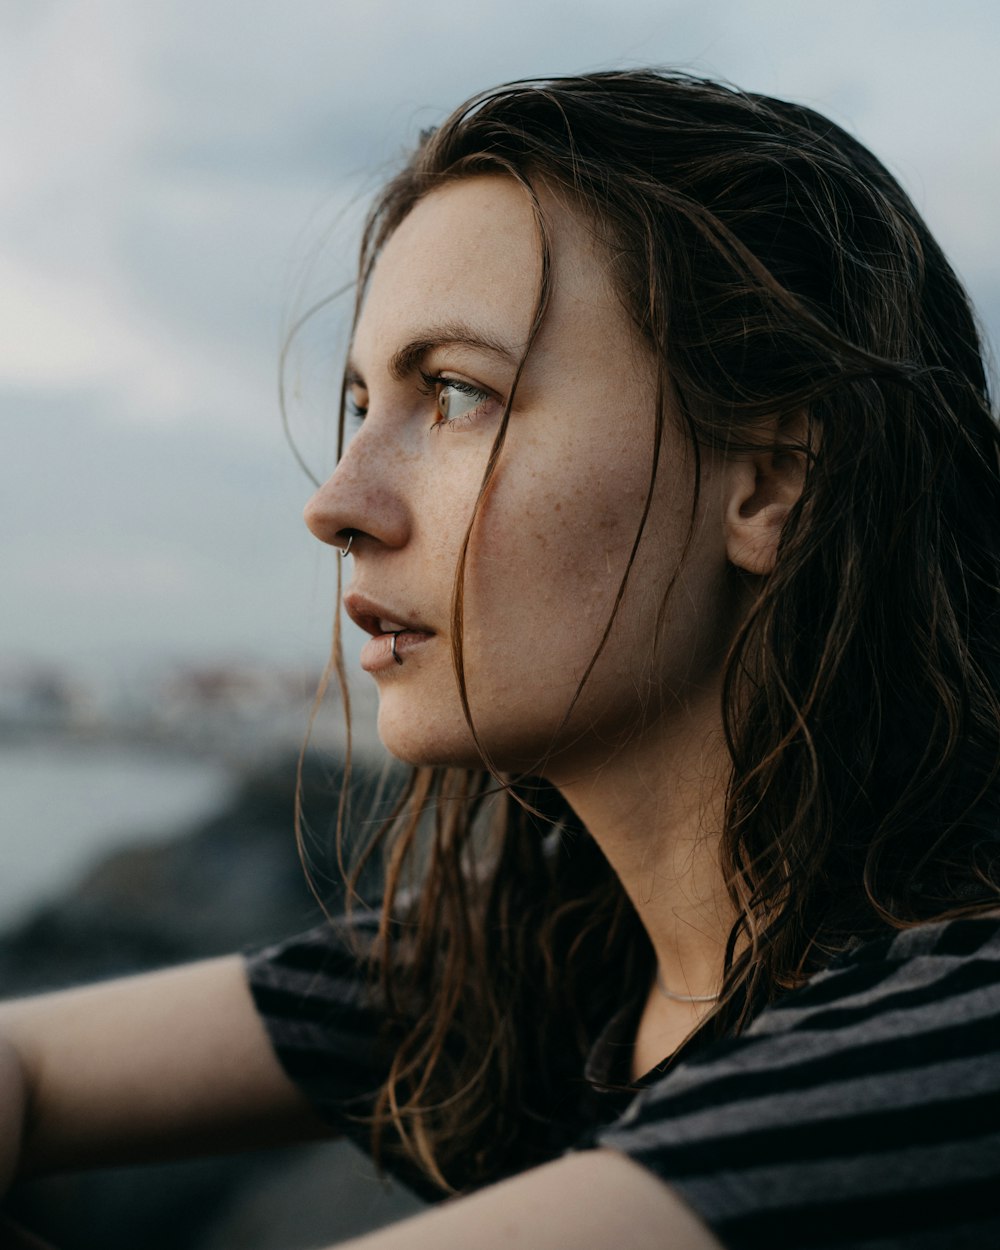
(182, 178)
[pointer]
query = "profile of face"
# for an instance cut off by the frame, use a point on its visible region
(444, 323)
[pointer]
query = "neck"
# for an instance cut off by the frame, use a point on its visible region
(655, 808)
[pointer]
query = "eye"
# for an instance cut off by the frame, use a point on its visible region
(456, 402)
(356, 402)
(456, 399)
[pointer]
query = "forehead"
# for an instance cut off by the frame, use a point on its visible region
(470, 253)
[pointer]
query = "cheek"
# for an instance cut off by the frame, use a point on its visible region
(545, 569)
(446, 505)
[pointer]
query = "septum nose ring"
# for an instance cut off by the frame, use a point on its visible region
(345, 551)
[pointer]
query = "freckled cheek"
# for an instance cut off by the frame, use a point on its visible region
(550, 564)
(443, 517)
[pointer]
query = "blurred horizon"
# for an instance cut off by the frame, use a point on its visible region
(182, 180)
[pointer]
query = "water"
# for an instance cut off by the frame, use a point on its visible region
(64, 805)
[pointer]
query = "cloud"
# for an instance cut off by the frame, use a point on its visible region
(174, 176)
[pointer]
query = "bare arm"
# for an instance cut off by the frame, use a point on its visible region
(177, 1062)
(590, 1201)
(156, 1066)
(13, 1110)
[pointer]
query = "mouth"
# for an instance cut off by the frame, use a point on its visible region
(394, 635)
(378, 620)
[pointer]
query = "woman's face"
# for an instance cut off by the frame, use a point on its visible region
(443, 325)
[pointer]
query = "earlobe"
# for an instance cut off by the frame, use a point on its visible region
(763, 489)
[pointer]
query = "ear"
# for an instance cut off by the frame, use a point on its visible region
(763, 487)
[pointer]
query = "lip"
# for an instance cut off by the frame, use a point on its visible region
(379, 654)
(368, 613)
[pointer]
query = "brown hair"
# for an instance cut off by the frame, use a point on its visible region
(776, 269)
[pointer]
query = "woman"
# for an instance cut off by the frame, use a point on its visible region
(672, 513)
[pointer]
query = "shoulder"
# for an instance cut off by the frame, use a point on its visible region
(864, 1105)
(317, 997)
(326, 961)
(320, 998)
(901, 985)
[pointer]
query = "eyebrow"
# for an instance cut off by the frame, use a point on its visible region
(408, 358)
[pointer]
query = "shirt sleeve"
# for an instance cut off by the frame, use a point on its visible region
(322, 1013)
(863, 1111)
(327, 1022)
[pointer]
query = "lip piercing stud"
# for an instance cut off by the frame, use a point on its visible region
(395, 655)
(344, 551)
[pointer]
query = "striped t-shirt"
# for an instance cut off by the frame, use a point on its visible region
(862, 1110)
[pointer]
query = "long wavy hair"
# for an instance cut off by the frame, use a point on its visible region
(776, 270)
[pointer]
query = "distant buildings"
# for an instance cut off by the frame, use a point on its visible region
(228, 709)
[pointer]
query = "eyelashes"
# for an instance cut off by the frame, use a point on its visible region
(456, 403)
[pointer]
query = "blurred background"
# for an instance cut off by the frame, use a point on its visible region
(181, 181)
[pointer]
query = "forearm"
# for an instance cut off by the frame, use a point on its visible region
(590, 1201)
(168, 1065)
(13, 1113)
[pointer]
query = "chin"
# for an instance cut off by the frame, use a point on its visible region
(425, 742)
(446, 742)
(420, 755)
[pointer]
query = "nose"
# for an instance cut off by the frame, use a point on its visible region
(363, 499)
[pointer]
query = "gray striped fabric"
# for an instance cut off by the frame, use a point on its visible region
(862, 1110)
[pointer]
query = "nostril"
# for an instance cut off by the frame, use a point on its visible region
(362, 504)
